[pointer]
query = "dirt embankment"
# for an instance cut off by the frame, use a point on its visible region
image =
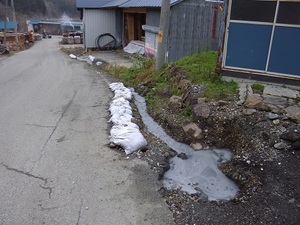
(265, 165)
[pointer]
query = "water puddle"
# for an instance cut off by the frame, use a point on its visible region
(199, 173)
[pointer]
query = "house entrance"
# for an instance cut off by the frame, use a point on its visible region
(133, 21)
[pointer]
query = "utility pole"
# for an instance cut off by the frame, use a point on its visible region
(5, 22)
(163, 34)
(15, 22)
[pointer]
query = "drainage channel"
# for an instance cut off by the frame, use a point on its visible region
(198, 172)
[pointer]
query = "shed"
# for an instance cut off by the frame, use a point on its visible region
(99, 17)
(262, 40)
(194, 26)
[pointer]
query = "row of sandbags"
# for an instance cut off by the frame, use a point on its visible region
(124, 132)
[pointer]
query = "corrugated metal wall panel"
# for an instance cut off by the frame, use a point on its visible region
(191, 28)
(97, 22)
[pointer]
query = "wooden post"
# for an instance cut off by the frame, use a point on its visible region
(5, 22)
(163, 34)
(15, 22)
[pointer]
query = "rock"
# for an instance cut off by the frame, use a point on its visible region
(274, 100)
(222, 102)
(200, 100)
(291, 136)
(112, 145)
(256, 102)
(185, 84)
(196, 146)
(296, 145)
(165, 91)
(280, 146)
(280, 91)
(276, 122)
(293, 112)
(200, 111)
(175, 102)
(249, 112)
(192, 129)
(273, 116)
(182, 155)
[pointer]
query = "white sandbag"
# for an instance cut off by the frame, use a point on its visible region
(118, 119)
(72, 56)
(129, 138)
(116, 86)
(124, 92)
(123, 132)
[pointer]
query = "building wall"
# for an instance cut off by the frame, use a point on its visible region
(194, 27)
(265, 41)
(97, 22)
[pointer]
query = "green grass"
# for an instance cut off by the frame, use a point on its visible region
(198, 68)
(258, 87)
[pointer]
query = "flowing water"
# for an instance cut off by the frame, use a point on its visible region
(199, 173)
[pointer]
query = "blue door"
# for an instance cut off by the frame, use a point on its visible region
(264, 37)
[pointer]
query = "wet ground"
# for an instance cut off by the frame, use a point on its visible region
(267, 177)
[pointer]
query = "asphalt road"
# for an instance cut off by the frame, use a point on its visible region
(55, 167)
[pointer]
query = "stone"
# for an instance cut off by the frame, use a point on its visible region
(182, 155)
(200, 111)
(275, 100)
(296, 145)
(200, 100)
(280, 146)
(273, 116)
(280, 91)
(293, 112)
(193, 130)
(222, 102)
(291, 136)
(185, 84)
(196, 146)
(175, 102)
(256, 102)
(249, 112)
(276, 122)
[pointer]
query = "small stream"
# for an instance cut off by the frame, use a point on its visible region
(199, 173)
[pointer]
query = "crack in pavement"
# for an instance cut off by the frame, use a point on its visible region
(79, 213)
(38, 125)
(45, 180)
(54, 129)
(47, 208)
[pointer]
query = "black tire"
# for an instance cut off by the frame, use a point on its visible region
(106, 42)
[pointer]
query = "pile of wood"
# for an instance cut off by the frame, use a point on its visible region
(24, 39)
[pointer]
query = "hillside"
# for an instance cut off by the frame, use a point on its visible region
(39, 9)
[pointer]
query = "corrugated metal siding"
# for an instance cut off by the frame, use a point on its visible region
(97, 22)
(114, 3)
(152, 17)
(191, 28)
(146, 3)
(90, 4)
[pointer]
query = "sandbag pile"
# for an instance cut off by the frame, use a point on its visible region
(123, 132)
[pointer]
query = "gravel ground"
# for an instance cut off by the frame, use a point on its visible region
(268, 178)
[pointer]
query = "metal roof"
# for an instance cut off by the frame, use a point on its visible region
(92, 4)
(146, 3)
(114, 3)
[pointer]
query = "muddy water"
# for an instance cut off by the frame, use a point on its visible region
(199, 173)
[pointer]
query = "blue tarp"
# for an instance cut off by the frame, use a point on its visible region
(9, 25)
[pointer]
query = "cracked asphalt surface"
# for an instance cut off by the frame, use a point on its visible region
(55, 166)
